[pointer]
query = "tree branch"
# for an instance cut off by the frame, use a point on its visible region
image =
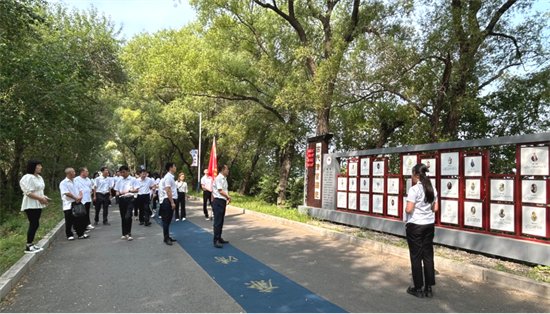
(496, 76)
(512, 38)
(498, 15)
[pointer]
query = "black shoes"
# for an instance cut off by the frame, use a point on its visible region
(96, 223)
(168, 242)
(218, 245)
(106, 223)
(428, 292)
(416, 292)
(172, 239)
(141, 223)
(147, 224)
(222, 241)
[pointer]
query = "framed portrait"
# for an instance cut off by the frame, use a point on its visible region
(342, 183)
(393, 185)
(473, 214)
(378, 168)
(352, 185)
(364, 202)
(378, 185)
(502, 217)
(502, 190)
(431, 165)
(342, 199)
(365, 166)
(473, 166)
(409, 161)
(449, 164)
(393, 205)
(534, 221)
(534, 191)
(449, 188)
(353, 168)
(378, 204)
(364, 185)
(352, 201)
(534, 161)
(449, 211)
(473, 189)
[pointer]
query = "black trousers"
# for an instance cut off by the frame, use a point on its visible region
(180, 204)
(206, 197)
(218, 207)
(102, 200)
(78, 223)
(33, 215)
(155, 200)
(87, 206)
(126, 206)
(143, 203)
(167, 212)
(420, 239)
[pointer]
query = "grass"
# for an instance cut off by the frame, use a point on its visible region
(13, 231)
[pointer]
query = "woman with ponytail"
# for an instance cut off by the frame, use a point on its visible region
(421, 207)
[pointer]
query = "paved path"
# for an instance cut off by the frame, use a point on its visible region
(307, 272)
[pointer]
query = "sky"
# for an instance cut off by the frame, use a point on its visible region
(136, 16)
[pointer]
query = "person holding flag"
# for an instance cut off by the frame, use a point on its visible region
(208, 179)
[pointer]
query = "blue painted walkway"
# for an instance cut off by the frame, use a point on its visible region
(253, 285)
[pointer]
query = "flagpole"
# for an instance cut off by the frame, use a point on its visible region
(199, 167)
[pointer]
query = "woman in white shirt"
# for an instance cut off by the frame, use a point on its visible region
(421, 208)
(182, 192)
(34, 200)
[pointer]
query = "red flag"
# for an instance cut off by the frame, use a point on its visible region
(213, 164)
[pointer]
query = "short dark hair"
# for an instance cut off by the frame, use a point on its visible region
(103, 168)
(139, 171)
(123, 168)
(223, 167)
(31, 165)
(144, 170)
(168, 165)
(80, 170)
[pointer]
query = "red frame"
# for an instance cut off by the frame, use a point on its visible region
(399, 196)
(460, 198)
(485, 171)
(369, 193)
(517, 223)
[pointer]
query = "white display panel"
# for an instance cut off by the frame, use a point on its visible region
(352, 201)
(342, 183)
(365, 166)
(533, 191)
(473, 189)
(393, 186)
(431, 164)
(364, 202)
(378, 204)
(449, 212)
(378, 168)
(393, 205)
(378, 185)
(342, 199)
(502, 217)
(318, 171)
(352, 184)
(473, 214)
(409, 161)
(534, 161)
(449, 164)
(408, 184)
(502, 190)
(353, 165)
(364, 184)
(534, 221)
(449, 188)
(473, 166)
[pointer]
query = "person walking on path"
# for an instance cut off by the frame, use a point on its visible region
(34, 200)
(125, 189)
(206, 185)
(221, 199)
(182, 192)
(143, 200)
(85, 185)
(421, 208)
(102, 194)
(168, 204)
(71, 194)
(155, 193)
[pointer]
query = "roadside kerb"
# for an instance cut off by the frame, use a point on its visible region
(12, 276)
(472, 272)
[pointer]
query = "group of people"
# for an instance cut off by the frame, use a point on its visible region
(134, 195)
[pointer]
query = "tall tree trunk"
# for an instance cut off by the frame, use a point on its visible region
(13, 177)
(284, 172)
(248, 175)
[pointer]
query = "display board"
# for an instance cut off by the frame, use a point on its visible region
(379, 168)
(534, 191)
(393, 185)
(378, 204)
(534, 221)
(352, 201)
(364, 184)
(449, 211)
(352, 184)
(502, 217)
(364, 202)
(449, 188)
(318, 171)
(393, 206)
(409, 161)
(342, 199)
(534, 161)
(473, 189)
(473, 214)
(473, 166)
(353, 168)
(449, 164)
(502, 190)
(378, 185)
(342, 183)
(431, 164)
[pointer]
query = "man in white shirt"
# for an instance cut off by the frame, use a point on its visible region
(125, 189)
(168, 204)
(206, 185)
(69, 195)
(145, 186)
(85, 185)
(221, 199)
(102, 194)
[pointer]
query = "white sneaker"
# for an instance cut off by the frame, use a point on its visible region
(206, 218)
(84, 236)
(177, 220)
(130, 238)
(183, 219)
(90, 227)
(70, 238)
(33, 249)
(160, 217)
(124, 237)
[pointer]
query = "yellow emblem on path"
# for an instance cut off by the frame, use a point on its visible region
(224, 260)
(261, 285)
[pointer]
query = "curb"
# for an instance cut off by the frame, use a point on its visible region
(10, 278)
(472, 272)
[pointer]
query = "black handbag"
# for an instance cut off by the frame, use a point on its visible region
(78, 209)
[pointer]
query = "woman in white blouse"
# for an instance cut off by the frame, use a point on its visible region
(34, 200)
(182, 192)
